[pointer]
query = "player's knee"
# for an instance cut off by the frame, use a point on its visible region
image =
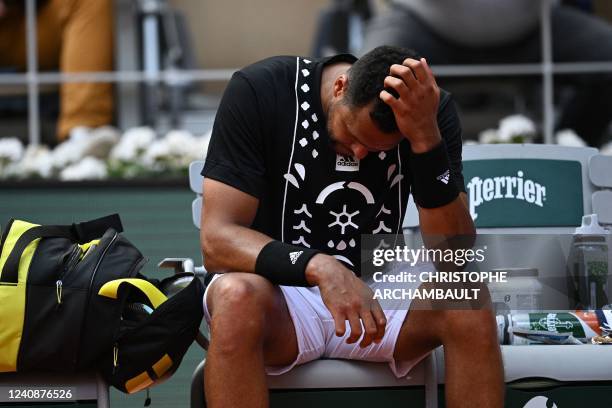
(239, 311)
(474, 326)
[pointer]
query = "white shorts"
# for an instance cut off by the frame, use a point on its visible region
(316, 333)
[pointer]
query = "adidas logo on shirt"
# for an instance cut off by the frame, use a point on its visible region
(346, 163)
(293, 256)
(444, 177)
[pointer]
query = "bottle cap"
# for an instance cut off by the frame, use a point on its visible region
(590, 226)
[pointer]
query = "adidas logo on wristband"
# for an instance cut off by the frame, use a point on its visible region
(293, 256)
(444, 177)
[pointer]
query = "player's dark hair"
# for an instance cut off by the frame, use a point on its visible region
(365, 82)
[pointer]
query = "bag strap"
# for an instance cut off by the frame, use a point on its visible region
(81, 232)
(111, 289)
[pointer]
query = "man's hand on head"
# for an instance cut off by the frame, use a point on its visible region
(347, 298)
(416, 108)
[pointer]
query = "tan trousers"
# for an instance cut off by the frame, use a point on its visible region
(74, 36)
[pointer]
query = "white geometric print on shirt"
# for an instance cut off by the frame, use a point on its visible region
(302, 225)
(291, 178)
(367, 194)
(384, 211)
(390, 171)
(300, 169)
(382, 227)
(348, 221)
(344, 259)
(309, 147)
(382, 244)
(396, 180)
(301, 241)
(341, 245)
(303, 209)
(339, 185)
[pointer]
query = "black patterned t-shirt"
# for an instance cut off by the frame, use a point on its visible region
(270, 140)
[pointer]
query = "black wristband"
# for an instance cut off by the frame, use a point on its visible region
(432, 182)
(284, 264)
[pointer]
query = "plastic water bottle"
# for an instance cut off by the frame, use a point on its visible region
(588, 266)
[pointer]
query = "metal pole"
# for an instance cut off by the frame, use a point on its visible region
(547, 71)
(102, 392)
(431, 381)
(32, 55)
(172, 76)
(151, 62)
(169, 76)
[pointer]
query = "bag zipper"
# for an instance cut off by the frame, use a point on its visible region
(73, 260)
(87, 298)
(115, 357)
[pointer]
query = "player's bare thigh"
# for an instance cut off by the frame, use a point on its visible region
(426, 327)
(243, 296)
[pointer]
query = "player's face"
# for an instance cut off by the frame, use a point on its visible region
(352, 132)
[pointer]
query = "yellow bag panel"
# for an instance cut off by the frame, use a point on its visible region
(138, 383)
(17, 229)
(12, 303)
(12, 298)
(162, 366)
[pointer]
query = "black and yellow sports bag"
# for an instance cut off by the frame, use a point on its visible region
(50, 316)
(67, 294)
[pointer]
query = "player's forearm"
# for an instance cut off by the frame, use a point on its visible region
(450, 219)
(231, 248)
(448, 226)
(235, 248)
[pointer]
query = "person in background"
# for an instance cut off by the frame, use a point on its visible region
(489, 32)
(74, 36)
